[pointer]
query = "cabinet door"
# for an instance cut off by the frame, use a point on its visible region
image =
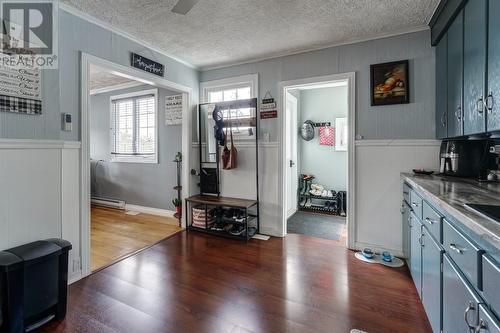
(455, 76)
(405, 213)
(460, 302)
(416, 252)
(431, 279)
(441, 89)
(493, 99)
(474, 66)
(487, 321)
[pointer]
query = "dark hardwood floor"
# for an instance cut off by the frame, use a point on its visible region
(199, 283)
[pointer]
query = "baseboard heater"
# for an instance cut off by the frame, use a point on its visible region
(108, 202)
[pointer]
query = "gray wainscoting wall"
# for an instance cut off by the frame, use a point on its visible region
(144, 184)
(405, 121)
(324, 162)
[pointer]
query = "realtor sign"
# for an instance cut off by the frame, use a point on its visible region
(29, 36)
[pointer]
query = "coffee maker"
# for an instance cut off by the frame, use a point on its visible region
(463, 158)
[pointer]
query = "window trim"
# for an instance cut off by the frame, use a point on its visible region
(230, 82)
(233, 82)
(131, 159)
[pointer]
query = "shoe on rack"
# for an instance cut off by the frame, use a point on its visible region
(237, 230)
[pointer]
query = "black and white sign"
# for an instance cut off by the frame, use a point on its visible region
(173, 110)
(147, 65)
(20, 90)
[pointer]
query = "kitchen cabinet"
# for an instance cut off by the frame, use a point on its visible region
(431, 279)
(475, 28)
(487, 322)
(493, 98)
(441, 89)
(416, 252)
(460, 302)
(455, 55)
(405, 213)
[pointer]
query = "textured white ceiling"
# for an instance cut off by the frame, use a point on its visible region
(100, 78)
(220, 32)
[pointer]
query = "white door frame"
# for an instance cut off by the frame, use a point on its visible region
(288, 170)
(351, 163)
(135, 74)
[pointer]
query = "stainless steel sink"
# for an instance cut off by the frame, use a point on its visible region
(490, 211)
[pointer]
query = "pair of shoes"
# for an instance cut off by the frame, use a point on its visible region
(237, 230)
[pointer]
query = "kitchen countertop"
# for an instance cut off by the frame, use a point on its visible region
(450, 194)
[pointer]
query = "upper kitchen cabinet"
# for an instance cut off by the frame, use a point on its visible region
(455, 60)
(493, 98)
(441, 89)
(475, 38)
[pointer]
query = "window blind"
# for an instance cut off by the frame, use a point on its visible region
(134, 126)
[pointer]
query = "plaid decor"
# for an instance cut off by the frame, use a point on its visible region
(20, 105)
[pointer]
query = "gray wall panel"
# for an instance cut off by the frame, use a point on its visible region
(407, 121)
(61, 88)
(144, 184)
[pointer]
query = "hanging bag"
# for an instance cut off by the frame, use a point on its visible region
(327, 136)
(225, 156)
(229, 156)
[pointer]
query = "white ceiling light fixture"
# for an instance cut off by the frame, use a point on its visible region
(184, 6)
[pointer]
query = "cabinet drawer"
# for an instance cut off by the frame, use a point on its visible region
(460, 302)
(465, 254)
(416, 204)
(487, 322)
(432, 220)
(491, 283)
(406, 193)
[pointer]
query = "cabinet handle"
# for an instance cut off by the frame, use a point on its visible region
(455, 248)
(443, 119)
(489, 102)
(414, 204)
(480, 105)
(466, 313)
(421, 240)
(458, 113)
(481, 325)
(428, 220)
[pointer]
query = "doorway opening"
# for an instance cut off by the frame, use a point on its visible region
(134, 157)
(318, 123)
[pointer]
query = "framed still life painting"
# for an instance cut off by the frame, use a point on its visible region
(390, 83)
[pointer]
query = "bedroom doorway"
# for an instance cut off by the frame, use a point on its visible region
(125, 158)
(317, 160)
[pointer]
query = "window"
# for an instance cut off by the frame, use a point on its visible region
(231, 89)
(134, 127)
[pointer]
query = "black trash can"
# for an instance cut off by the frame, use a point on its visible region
(33, 284)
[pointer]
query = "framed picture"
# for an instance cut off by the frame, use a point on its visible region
(341, 134)
(390, 83)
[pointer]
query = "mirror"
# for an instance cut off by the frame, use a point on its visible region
(207, 134)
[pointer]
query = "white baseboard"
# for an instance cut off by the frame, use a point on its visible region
(150, 210)
(74, 277)
(377, 248)
(270, 231)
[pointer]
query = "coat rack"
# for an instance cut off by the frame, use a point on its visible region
(328, 124)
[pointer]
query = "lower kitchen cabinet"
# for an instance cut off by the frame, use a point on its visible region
(460, 302)
(416, 252)
(431, 279)
(405, 213)
(487, 322)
